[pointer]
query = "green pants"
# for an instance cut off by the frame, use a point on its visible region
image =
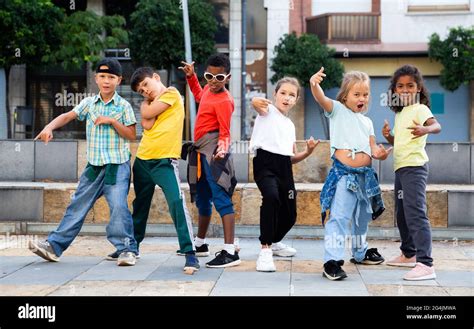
(164, 173)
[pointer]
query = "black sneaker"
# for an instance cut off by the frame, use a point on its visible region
(202, 251)
(224, 259)
(333, 270)
(372, 257)
(115, 255)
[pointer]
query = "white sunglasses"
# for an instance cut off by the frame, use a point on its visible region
(219, 77)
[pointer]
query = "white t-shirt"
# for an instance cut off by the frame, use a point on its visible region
(274, 133)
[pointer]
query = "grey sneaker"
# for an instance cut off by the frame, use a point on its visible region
(43, 249)
(115, 255)
(126, 258)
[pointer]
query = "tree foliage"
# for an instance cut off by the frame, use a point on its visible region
(31, 32)
(456, 53)
(86, 35)
(301, 57)
(157, 36)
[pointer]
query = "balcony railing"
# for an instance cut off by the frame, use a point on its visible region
(345, 27)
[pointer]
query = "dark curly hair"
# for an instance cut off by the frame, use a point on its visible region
(219, 60)
(412, 71)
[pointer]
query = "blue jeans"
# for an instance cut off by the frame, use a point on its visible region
(208, 192)
(337, 233)
(120, 227)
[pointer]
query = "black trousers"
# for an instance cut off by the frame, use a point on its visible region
(274, 177)
(410, 209)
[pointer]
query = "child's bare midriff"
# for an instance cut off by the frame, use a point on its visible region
(361, 159)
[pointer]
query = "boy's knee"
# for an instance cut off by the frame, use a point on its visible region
(204, 206)
(205, 211)
(225, 210)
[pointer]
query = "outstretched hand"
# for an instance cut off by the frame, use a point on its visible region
(311, 145)
(261, 105)
(386, 129)
(380, 153)
(418, 130)
(45, 135)
(318, 77)
(187, 68)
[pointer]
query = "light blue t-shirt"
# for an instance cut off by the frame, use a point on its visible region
(349, 130)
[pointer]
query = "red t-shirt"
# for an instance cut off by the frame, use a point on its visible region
(214, 113)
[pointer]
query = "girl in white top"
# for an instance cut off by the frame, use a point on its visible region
(273, 141)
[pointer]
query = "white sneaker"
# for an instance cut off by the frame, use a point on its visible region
(126, 258)
(283, 250)
(265, 261)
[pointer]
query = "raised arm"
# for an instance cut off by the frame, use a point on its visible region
(196, 89)
(150, 110)
(318, 93)
(147, 124)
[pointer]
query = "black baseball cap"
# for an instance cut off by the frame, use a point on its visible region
(113, 66)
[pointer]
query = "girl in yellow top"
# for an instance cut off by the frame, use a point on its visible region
(413, 122)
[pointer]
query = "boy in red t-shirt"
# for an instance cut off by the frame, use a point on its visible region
(214, 181)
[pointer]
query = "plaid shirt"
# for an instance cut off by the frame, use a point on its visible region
(104, 144)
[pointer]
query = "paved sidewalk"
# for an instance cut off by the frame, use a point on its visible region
(84, 271)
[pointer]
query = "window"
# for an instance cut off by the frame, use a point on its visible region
(427, 6)
(437, 103)
(256, 23)
(221, 13)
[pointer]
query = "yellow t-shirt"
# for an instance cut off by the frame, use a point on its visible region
(164, 139)
(408, 152)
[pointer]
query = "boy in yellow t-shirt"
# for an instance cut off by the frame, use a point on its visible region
(157, 159)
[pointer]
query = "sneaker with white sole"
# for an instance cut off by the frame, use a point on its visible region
(283, 250)
(201, 251)
(224, 259)
(126, 258)
(265, 261)
(43, 249)
(402, 261)
(420, 272)
(372, 257)
(192, 264)
(333, 270)
(115, 255)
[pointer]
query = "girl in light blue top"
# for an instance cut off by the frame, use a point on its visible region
(351, 190)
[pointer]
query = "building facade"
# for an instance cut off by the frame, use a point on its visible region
(374, 36)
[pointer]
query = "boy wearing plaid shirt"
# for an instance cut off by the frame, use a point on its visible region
(110, 124)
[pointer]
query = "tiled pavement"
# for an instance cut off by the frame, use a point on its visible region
(84, 271)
